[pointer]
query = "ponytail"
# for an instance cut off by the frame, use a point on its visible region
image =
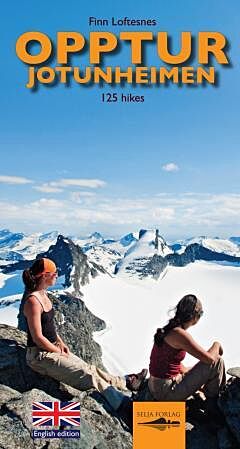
(184, 311)
(29, 280)
(163, 331)
(31, 276)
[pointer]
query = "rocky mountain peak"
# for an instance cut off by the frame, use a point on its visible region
(73, 265)
(72, 262)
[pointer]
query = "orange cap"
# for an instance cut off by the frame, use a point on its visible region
(48, 267)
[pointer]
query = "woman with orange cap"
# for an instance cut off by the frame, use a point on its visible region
(47, 353)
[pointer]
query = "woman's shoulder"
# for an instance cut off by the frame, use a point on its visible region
(175, 336)
(177, 331)
(33, 299)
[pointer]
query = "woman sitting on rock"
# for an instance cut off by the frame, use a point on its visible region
(48, 355)
(169, 379)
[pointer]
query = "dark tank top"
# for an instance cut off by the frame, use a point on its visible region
(47, 323)
(165, 361)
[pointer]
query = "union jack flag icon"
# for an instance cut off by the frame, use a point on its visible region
(55, 414)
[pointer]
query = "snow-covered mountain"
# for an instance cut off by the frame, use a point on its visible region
(18, 246)
(135, 255)
(74, 267)
(230, 247)
(106, 252)
(94, 239)
(18, 250)
(136, 259)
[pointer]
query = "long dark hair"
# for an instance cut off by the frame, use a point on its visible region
(184, 311)
(30, 281)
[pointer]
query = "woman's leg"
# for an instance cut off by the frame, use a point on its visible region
(212, 376)
(72, 370)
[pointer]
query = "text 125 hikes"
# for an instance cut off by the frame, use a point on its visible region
(123, 98)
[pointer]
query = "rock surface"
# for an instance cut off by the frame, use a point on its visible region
(98, 429)
(220, 430)
(230, 406)
(19, 386)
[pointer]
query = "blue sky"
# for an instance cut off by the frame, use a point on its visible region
(72, 163)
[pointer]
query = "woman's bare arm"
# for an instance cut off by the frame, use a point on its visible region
(181, 339)
(32, 312)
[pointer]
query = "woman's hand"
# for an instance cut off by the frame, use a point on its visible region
(63, 348)
(184, 369)
(216, 350)
(220, 349)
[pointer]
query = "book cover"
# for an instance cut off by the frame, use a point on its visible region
(120, 163)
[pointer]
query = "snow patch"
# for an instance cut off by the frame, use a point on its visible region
(134, 310)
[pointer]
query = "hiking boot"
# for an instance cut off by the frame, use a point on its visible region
(134, 381)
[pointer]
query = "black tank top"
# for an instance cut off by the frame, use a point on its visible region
(47, 323)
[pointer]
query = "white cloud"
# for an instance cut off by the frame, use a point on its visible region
(48, 188)
(182, 214)
(78, 197)
(48, 203)
(87, 183)
(163, 213)
(14, 180)
(170, 167)
(58, 186)
(55, 186)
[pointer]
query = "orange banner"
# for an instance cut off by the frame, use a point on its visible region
(159, 425)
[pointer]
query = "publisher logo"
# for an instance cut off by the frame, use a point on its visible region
(159, 424)
(58, 415)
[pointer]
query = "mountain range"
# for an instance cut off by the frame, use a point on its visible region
(140, 255)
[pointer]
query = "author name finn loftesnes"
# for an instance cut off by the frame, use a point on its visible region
(125, 21)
